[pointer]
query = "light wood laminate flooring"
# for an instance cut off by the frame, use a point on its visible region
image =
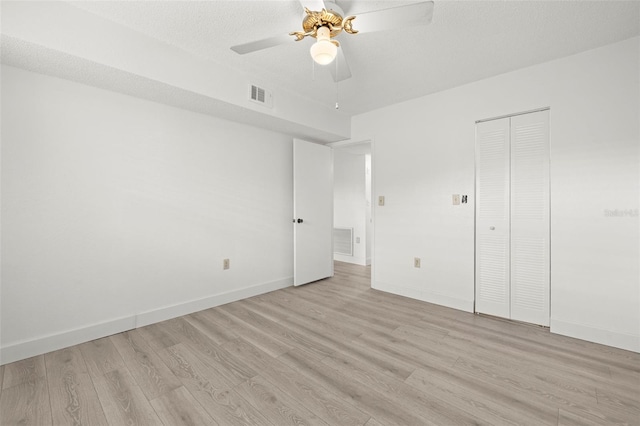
(334, 352)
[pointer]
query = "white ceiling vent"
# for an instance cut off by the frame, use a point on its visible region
(261, 96)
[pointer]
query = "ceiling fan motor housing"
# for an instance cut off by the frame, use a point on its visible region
(325, 18)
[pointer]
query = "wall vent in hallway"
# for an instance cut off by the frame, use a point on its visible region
(343, 241)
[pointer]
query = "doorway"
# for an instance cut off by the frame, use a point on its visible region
(352, 217)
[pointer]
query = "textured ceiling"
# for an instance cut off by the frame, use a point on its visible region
(467, 41)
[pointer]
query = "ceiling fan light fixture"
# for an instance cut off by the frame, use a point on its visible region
(323, 51)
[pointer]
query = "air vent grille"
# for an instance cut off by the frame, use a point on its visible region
(257, 94)
(260, 95)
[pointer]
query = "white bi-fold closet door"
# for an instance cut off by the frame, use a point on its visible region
(512, 217)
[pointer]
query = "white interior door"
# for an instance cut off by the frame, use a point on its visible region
(312, 212)
(530, 257)
(492, 218)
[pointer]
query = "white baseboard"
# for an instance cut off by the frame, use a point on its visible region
(628, 342)
(53, 342)
(173, 311)
(426, 296)
(350, 259)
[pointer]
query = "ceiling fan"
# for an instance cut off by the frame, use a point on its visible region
(324, 20)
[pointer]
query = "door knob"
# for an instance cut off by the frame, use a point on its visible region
(493, 228)
(300, 220)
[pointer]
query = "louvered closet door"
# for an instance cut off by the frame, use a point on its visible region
(530, 218)
(492, 218)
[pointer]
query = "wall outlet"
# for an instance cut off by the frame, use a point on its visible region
(225, 263)
(416, 262)
(381, 200)
(357, 240)
(455, 198)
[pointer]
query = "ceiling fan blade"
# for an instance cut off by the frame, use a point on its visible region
(316, 5)
(340, 67)
(395, 17)
(265, 43)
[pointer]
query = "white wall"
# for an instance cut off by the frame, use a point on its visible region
(424, 152)
(117, 212)
(349, 201)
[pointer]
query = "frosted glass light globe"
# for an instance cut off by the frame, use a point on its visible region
(323, 51)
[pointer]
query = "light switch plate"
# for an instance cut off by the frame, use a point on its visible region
(455, 199)
(381, 200)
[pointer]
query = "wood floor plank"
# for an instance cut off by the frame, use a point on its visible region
(254, 317)
(575, 387)
(101, 357)
(619, 403)
(25, 371)
(26, 403)
(234, 370)
(472, 341)
(364, 398)
(431, 335)
(308, 316)
(416, 352)
(189, 367)
(123, 401)
(541, 394)
(256, 336)
(72, 394)
(520, 381)
(319, 400)
(462, 395)
(373, 422)
(218, 334)
(353, 310)
(151, 374)
(211, 389)
(405, 397)
(1, 378)
(158, 336)
(356, 305)
(330, 321)
(623, 380)
(571, 416)
(275, 404)
(382, 358)
(179, 408)
(519, 408)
